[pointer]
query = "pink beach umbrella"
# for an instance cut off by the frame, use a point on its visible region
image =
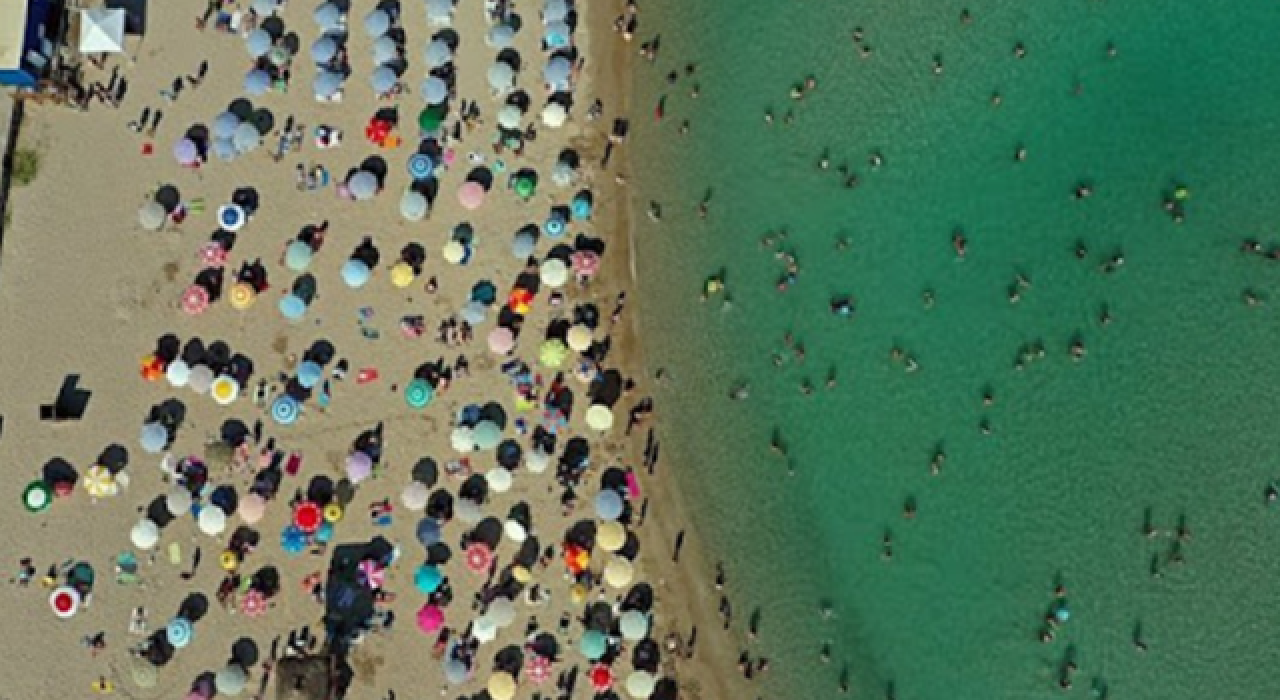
(251, 508)
(253, 604)
(585, 263)
(195, 300)
(212, 254)
(501, 340)
(359, 467)
(185, 152)
(372, 574)
(471, 195)
(479, 557)
(538, 669)
(430, 619)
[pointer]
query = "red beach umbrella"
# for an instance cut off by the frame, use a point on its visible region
(212, 254)
(307, 516)
(601, 678)
(538, 669)
(195, 300)
(479, 557)
(253, 604)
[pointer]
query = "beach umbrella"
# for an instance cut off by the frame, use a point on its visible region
(579, 337)
(538, 669)
(453, 252)
(634, 625)
(307, 516)
(145, 534)
(297, 256)
(242, 296)
(382, 79)
(99, 482)
(258, 42)
(377, 23)
(434, 90)
(200, 379)
(427, 579)
(328, 17)
(537, 461)
(552, 353)
(413, 207)
(185, 152)
(363, 185)
(611, 536)
(554, 273)
(585, 263)
(522, 245)
(554, 227)
(479, 557)
(177, 373)
(555, 11)
(224, 390)
(462, 439)
(430, 618)
(143, 672)
(309, 374)
(499, 479)
(500, 36)
(246, 138)
(253, 603)
(437, 53)
(415, 496)
(556, 35)
(600, 677)
(524, 187)
(556, 73)
(599, 417)
(471, 195)
(472, 312)
(285, 409)
(486, 434)
(420, 166)
(154, 438)
(502, 77)
(501, 340)
(515, 531)
(230, 680)
(580, 207)
(177, 502)
(64, 601)
(520, 300)
(385, 50)
(292, 539)
(468, 511)
(484, 629)
(593, 644)
(430, 118)
(455, 671)
(179, 632)
(562, 174)
(224, 125)
(401, 275)
(327, 84)
(418, 393)
(232, 217)
(554, 115)
(355, 273)
(324, 49)
(502, 611)
(151, 216)
(212, 520)
(37, 496)
(292, 307)
(251, 508)
(224, 149)
(618, 572)
(428, 531)
(509, 117)
(640, 684)
(256, 82)
(501, 686)
(609, 505)
(359, 467)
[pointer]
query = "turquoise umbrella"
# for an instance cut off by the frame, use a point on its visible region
(418, 393)
(427, 579)
(593, 645)
(297, 256)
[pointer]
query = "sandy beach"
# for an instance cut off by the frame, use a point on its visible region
(85, 292)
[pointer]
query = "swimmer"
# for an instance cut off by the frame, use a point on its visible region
(768, 117)
(1251, 298)
(1019, 51)
(1083, 191)
(810, 83)
(1077, 350)
(776, 445)
(997, 99)
(965, 17)
(1111, 50)
(842, 306)
(1020, 154)
(937, 64)
(1104, 315)
(824, 161)
(690, 68)
(988, 397)
(910, 364)
(768, 239)
(851, 182)
(806, 387)
(789, 118)
(655, 211)
(984, 426)
(797, 92)
(875, 160)
(909, 508)
(702, 209)
(672, 77)
(1015, 294)
(886, 546)
(1272, 494)
(1184, 530)
(843, 243)
(926, 297)
(857, 35)
(799, 351)
(831, 378)
(777, 359)
(695, 91)
(1082, 251)
(959, 243)
(740, 391)
(684, 127)
(865, 51)
(824, 654)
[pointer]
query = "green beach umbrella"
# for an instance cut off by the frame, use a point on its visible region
(430, 118)
(418, 393)
(525, 187)
(37, 497)
(552, 353)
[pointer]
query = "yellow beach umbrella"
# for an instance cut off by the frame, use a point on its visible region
(618, 572)
(242, 296)
(401, 275)
(521, 574)
(501, 686)
(599, 417)
(578, 593)
(580, 338)
(611, 536)
(100, 482)
(453, 252)
(224, 390)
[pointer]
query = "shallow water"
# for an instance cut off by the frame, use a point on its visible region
(1171, 409)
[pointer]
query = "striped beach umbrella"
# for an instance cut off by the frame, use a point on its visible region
(421, 166)
(284, 410)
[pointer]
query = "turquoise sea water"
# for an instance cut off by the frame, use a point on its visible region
(1173, 409)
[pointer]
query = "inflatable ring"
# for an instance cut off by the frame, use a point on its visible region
(332, 513)
(229, 560)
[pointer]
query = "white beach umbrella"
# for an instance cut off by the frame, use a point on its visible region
(413, 205)
(247, 137)
(562, 174)
(523, 244)
(640, 684)
(484, 629)
(554, 273)
(486, 434)
(437, 53)
(230, 680)
(556, 73)
(265, 8)
(500, 36)
(200, 379)
(554, 116)
(151, 216)
(634, 625)
(363, 185)
(501, 76)
(499, 479)
(177, 373)
(377, 23)
(515, 531)
(462, 439)
(385, 50)
(145, 534)
(537, 461)
(599, 418)
(415, 496)
(258, 43)
(555, 11)
(468, 511)
(502, 611)
(472, 312)
(509, 117)
(212, 520)
(435, 91)
(440, 12)
(324, 49)
(102, 30)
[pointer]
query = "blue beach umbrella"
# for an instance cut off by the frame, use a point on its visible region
(257, 82)
(355, 273)
(592, 645)
(455, 671)
(484, 292)
(324, 533)
(427, 579)
(608, 505)
(420, 166)
(327, 84)
(285, 409)
(500, 36)
(293, 307)
(179, 632)
(224, 149)
(324, 49)
(297, 256)
(522, 245)
(385, 50)
(434, 90)
(328, 17)
(581, 206)
(554, 227)
(382, 79)
(309, 374)
(258, 43)
(231, 217)
(154, 437)
(224, 125)
(293, 540)
(376, 23)
(428, 531)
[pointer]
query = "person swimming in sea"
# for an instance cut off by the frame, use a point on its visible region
(909, 508)
(740, 391)
(824, 654)
(937, 64)
(959, 243)
(875, 160)
(842, 307)
(824, 161)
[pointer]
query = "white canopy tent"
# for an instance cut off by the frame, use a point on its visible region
(102, 30)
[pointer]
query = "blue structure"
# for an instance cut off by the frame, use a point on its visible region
(25, 48)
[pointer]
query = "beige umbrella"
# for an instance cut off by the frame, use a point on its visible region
(554, 273)
(611, 535)
(415, 495)
(618, 572)
(599, 417)
(501, 686)
(251, 508)
(580, 338)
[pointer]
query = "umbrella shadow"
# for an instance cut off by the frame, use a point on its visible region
(511, 57)
(224, 238)
(414, 255)
(321, 490)
(234, 432)
(606, 388)
(193, 353)
(440, 505)
(59, 471)
(581, 533)
(570, 157)
(305, 288)
(218, 355)
(428, 188)
(562, 98)
(158, 513)
(474, 489)
(264, 120)
(640, 597)
(241, 368)
(321, 352)
(482, 176)
(170, 413)
(530, 551)
(520, 99)
(199, 135)
(242, 108)
(244, 652)
(439, 554)
(194, 607)
(449, 37)
(115, 457)
(509, 659)
(247, 198)
(584, 243)
(377, 166)
(495, 412)
(529, 281)
(488, 531)
(558, 329)
(168, 347)
(168, 197)
(211, 279)
(426, 472)
(367, 253)
(274, 26)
